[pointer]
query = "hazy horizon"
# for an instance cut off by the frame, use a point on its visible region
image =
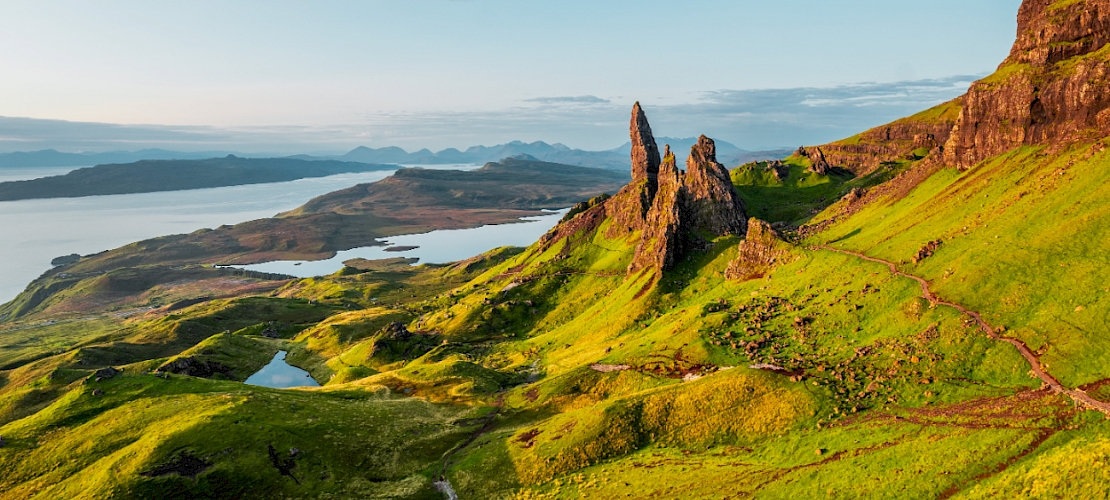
(287, 77)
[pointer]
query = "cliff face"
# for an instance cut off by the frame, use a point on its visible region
(899, 140)
(674, 212)
(1050, 90)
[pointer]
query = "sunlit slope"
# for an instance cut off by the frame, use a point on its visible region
(1022, 239)
(145, 437)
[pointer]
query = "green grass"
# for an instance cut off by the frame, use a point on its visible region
(352, 444)
(802, 194)
(1022, 226)
(875, 391)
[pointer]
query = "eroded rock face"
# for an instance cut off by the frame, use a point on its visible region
(891, 142)
(760, 252)
(1050, 90)
(630, 206)
(674, 212)
(711, 203)
(819, 163)
(645, 152)
(661, 241)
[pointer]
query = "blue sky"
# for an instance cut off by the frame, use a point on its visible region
(326, 75)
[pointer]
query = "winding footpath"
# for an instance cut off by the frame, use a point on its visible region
(1080, 397)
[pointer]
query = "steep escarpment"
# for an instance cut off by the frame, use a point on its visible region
(911, 138)
(1050, 90)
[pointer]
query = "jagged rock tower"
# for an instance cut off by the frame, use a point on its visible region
(674, 212)
(686, 208)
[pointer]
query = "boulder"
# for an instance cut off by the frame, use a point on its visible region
(106, 373)
(195, 368)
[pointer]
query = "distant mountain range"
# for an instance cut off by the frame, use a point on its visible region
(616, 159)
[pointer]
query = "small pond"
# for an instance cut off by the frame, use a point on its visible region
(280, 375)
(435, 247)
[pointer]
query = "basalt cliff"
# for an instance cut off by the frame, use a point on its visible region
(1051, 90)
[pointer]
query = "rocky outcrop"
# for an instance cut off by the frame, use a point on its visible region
(818, 163)
(673, 212)
(901, 140)
(760, 252)
(1051, 90)
(396, 331)
(661, 241)
(195, 368)
(632, 203)
(105, 373)
(712, 205)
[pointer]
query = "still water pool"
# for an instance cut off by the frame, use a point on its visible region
(281, 375)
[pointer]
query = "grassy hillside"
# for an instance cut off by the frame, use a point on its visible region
(917, 330)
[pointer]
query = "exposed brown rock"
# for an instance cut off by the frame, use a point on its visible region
(779, 168)
(712, 205)
(926, 251)
(630, 206)
(891, 142)
(761, 251)
(818, 163)
(673, 211)
(661, 239)
(645, 153)
(1051, 90)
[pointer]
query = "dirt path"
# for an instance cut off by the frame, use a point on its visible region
(1078, 396)
(444, 485)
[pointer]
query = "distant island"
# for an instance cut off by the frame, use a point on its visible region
(150, 176)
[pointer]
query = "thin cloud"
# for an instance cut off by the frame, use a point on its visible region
(582, 99)
(751, 119)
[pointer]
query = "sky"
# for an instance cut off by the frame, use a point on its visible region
(296, 76)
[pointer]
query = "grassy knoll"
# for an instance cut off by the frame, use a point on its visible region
(800, 194)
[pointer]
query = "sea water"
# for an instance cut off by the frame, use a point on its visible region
(34, 232)
(434, 247)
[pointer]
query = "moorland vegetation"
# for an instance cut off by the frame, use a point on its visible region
(876, 317)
